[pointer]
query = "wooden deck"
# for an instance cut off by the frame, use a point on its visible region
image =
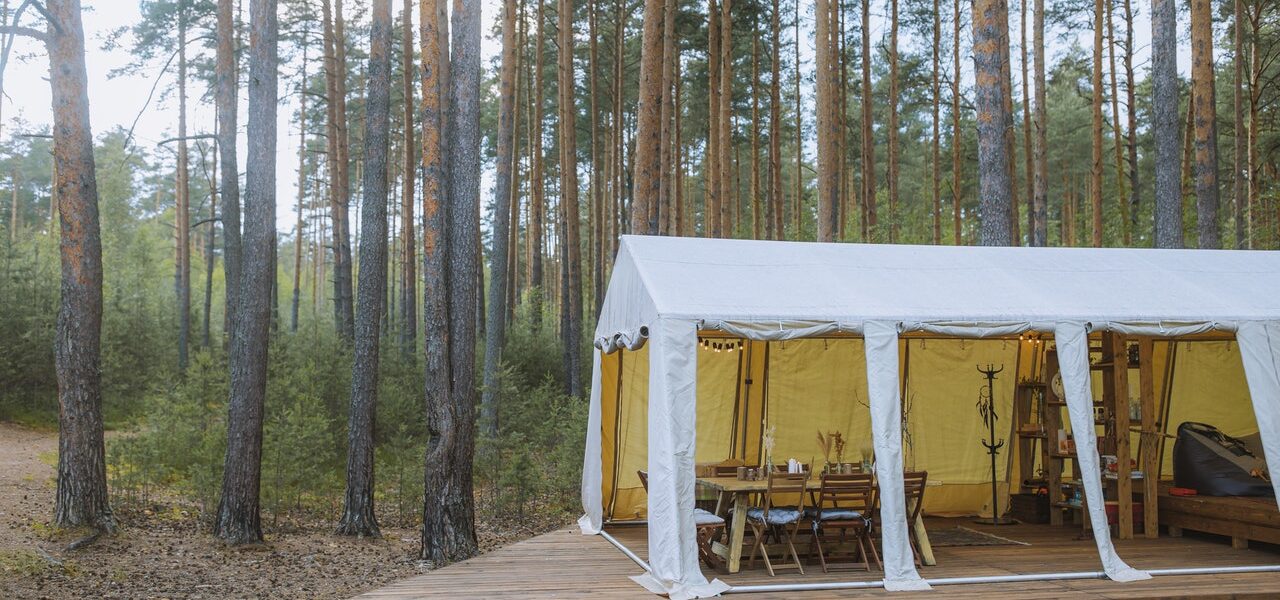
(565, 564)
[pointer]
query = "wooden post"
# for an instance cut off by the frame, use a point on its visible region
(1051, 414)
(1120, 412)
(1149, 446)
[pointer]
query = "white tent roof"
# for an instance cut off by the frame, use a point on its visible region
(667, 288)
(746, 280)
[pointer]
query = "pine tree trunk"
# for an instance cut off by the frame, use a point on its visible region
(869, 216)
(358, 518)
(956, 139)
(302, 197)
(1040, 192)
(1028, 154)
(797, 203)
(1095, 168)
(757, 210)
(893, 121)
(711, 169)
(408, 241)
(537, 210)
(571, 293)
(1240, 194)
(828, 188)
(1206, 128)
(669, 57)
(1131, 111)
(597, 171)
(775, 125)
(936, 162)
(496, 329)
(724, 144)
(1116, 132)
(994, 182)
(238, 520)
(81, 498)
(225, 100)
(1164, 69)
(182, 196)
(206, 338)
(648, 178)
(1006, 93)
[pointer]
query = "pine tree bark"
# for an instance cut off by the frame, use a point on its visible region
(238, 520)
(537, 209)
(1239, 183)
(448, 531)
(338, 166)
(81, 498)
(711, 169)
(869, 217)
(936, 162)
(438, 525)
(757, 210)
(596, 192)
(225, 100)
(182, 196)
(957, 141)
(496, 330)
(994, 181)
(1206, 128)
(648, 164)
(1028, 153)
(408, 235)
(775, 124)
(1164, 68)
(1131, 111)
(670, 55)
(724, 144)
(1040, 191)
(828, 177)
(571, 291)
(1095, 167)
(797, 201)
(1116, 131)
(893, 122)
(358, 518)
(298, 229)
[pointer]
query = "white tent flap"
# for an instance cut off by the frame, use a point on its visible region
(886, 434)
(592, 503)
(1260, 351)
(673, 370)
(1073, 359)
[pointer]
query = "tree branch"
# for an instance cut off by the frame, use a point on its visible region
(197, 136)
(31, 32)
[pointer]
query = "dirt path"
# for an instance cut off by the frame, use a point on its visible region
(165, 552)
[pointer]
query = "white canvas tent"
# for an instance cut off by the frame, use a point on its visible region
(664, 291)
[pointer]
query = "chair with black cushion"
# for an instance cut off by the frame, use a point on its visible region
(845, 504)
(781, 520)
(708, 526)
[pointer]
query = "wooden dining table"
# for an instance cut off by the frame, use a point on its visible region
(733, 494)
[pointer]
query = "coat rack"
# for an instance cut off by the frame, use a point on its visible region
(987, 408)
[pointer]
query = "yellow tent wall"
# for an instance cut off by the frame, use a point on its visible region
(795, 389)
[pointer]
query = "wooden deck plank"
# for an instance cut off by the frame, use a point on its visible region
(566, 564)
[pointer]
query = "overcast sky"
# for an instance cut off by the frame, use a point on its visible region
(116, 102)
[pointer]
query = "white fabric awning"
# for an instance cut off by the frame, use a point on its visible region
(664, 289)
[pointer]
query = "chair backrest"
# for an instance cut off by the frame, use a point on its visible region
(913, 484)
(644, 479)
(854, 491)
(786, 484)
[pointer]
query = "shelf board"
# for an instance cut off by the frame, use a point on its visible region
(1029, 434)
(1032, 384)
(1071, 505)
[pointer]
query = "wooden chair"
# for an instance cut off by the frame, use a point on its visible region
(913, 484)
(845, 504)
(708, 527)
(782, 521)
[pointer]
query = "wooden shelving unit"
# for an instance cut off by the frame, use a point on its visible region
(1111, 359)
